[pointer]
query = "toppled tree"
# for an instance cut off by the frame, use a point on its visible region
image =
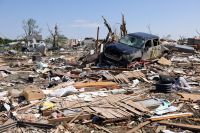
(30, 27)
(123, 30)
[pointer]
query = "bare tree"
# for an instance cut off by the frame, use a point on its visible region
(110, 34)
(181, 40)
(149, 28)
(167, 37)
(54, 35)
(198, 32)
(30, 27)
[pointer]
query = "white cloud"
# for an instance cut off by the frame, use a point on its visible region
(81, 23)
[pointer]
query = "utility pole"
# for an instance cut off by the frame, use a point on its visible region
(56, 35)
(97, 41)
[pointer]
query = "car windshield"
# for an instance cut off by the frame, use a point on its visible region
(132, 41)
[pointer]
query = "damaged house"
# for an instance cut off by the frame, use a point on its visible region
(33, 40)
(35, 43)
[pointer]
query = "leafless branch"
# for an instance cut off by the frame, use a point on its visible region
(197, 32)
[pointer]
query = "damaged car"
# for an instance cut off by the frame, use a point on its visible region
(132, 47)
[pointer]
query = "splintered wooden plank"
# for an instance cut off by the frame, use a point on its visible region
(170, 116)
(129, 108)
(137, 105)
(103, 112)
(112, 85)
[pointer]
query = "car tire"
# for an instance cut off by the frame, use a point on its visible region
(165, 88)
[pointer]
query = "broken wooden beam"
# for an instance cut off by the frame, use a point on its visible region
(183, 126)
(76, 117)
(170, 116)
(29, 106)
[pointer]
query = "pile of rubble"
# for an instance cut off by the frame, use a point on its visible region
(56, 94)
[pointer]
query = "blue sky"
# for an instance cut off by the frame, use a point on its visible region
(80, 18)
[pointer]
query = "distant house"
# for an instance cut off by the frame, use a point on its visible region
(72, 42)
(33, 40)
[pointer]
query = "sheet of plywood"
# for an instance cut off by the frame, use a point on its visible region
(123, 112)
(129, 108)
(137, 105)
(87, 109)
(103, 112)
(114, 112)
(115, 98)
